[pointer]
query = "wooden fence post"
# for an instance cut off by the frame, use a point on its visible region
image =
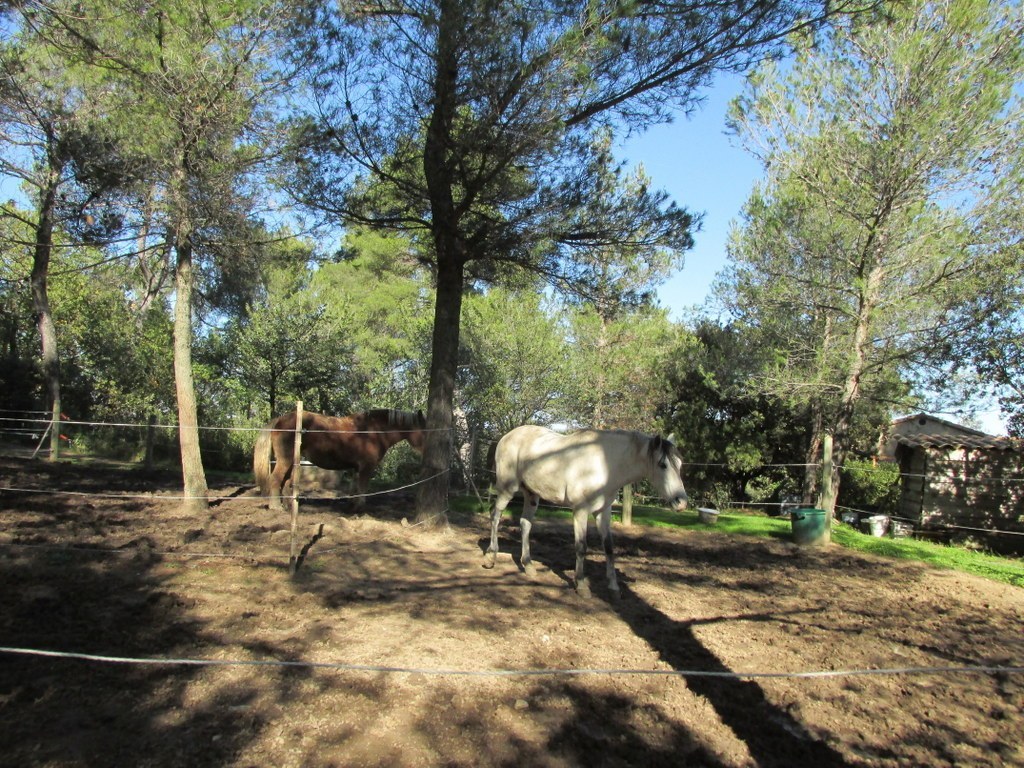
(827, 500)
(42, 440)
(293, 560)
(627, 505)
(150, 437)
(55, 431)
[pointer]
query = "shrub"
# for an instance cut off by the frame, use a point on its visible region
(870, 486)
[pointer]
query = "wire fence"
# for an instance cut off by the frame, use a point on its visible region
(390, 669)
(33, 422)
(783, 507)
(36, 423)
(974, 669)
(167, 496)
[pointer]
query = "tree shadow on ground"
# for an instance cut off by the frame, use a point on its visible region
(83, 573)
(773, 737)
(612, 730)
(65, 711)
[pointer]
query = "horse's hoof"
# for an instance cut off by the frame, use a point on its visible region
(615, 594)
(488, 562)
(530, 570)
(583, 589)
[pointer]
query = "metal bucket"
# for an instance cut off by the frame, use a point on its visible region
(876, 525)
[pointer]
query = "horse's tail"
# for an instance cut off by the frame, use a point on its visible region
(261, 458)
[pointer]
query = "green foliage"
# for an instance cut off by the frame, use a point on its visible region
(870, 486)
(616, 365)
(342, 337)
(19, 374)
(528, 359)
(994, 346)
(515, 362)
(116, 364)
(728, 434)
(293, 345)
(887, 147)
(400, 464)
(116, 361)
(386, 298)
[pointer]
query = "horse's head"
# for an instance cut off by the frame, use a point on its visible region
(667, 472)
(416, 436)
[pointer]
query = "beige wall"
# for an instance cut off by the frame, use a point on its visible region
(970, 488)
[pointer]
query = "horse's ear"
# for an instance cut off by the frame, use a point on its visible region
(671, 438)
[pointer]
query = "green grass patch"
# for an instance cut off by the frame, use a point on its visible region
(1005, 569)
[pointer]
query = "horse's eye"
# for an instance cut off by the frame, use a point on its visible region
(663, 464)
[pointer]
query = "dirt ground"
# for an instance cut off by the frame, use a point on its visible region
(105, 561)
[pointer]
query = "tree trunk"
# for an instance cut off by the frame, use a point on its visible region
(854, 373)
(809, 491)
(828, 493)
(49, 356)
(600, 379)
(432, 500)
(272, 396)
(188, 422)
(842, 428)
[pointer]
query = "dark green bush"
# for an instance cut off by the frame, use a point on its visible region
(870, 486)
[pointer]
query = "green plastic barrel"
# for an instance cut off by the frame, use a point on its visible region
(809, 526)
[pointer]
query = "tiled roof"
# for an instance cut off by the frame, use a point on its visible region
(984, 442)
(924, 417)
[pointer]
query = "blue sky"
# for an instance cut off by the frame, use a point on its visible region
(704, 170)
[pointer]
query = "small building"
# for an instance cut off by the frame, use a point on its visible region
(922, 424)
(959, 482)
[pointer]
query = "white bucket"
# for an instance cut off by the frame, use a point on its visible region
(901, 530)
(707, 515)
(877, 525)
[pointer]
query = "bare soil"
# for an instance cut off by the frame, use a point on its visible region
(103, 560)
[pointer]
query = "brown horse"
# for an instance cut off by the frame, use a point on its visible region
(358, 442)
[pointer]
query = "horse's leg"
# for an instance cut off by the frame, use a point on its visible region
(281, 474)
(579, 524)
(500, 502)
(530, 503)
(605, 526)
(362, 483)
(283, 444)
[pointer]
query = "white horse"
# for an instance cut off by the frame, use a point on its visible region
(584, 471)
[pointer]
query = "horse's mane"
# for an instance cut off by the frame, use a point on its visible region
(393, 418)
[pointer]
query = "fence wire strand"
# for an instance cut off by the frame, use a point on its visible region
(535, 672)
